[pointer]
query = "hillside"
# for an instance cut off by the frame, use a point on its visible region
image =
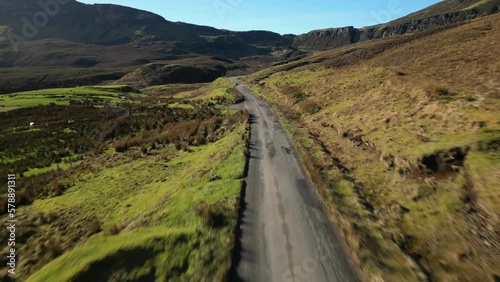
(84, 44)
(105, 24)
(444, 13)
(116, 183)
(132, 162)
(404, 149)
(480, 8)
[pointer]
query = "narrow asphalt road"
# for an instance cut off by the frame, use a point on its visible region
(285, 234)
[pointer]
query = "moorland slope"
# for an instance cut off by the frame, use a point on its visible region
(401, 135)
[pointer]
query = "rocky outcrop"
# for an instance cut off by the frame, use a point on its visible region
(326, 39)
(332, 38)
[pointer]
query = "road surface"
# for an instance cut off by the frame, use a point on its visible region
(285, 234)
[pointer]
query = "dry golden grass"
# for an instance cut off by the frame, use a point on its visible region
(402, 137)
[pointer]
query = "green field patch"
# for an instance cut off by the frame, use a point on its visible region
(162, 209)
(158, 204)
(480, 166)
(219, 89)
(63, 165)
(140, 252)
(65, 96)
(180, 106)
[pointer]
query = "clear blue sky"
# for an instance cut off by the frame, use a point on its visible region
(282, 16)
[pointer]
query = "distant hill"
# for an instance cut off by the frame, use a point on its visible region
(104, 24)
(46, 45)
(101, 43)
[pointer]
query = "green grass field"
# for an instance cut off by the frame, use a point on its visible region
(158, 243)
(128, 215)
(220, 89)
(155, 201)
(65, 164)
(64, 96)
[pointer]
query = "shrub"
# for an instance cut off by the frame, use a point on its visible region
(443, 91)
(295, 93)
(3, 205)
(94, 226)
(58, 188)
(178, 145)
(114, 230)
(292, 114)
(121, 146)
(310, 107)
(211, 218)
(98, 149)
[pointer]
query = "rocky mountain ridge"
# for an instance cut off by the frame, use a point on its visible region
(336, 37)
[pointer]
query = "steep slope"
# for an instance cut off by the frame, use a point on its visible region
(481, 8)
(148, 204)
(105, 24)
(402, 138)
(46, 44)
(444, 13)
(77, 22)
(159, 74)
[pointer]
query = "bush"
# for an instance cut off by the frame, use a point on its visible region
(121, 146)
(443, 92)
(295, 93)
(114, 230)
(58, 188)
(3, 205)
(99, 149)
(310, 107)
(211, 218)
(94, 226)
(292, 114)
(53, 247)
(178, 145)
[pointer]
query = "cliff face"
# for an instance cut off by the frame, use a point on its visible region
(331, 38)
(325, 39)
(113, 16)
